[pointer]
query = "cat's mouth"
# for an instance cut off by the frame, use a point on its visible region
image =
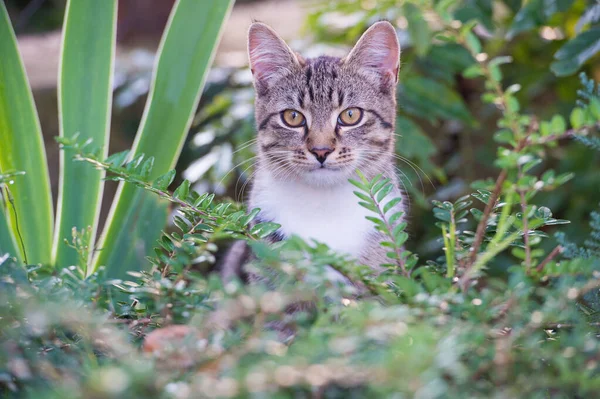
(325, 169)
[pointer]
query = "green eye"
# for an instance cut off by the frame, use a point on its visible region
(350, 116)
(293, 118)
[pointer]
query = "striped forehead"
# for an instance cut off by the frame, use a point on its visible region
(321, 84)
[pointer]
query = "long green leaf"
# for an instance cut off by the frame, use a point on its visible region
(8, 242)
(22, 148)
(85, 99)
(185, 55)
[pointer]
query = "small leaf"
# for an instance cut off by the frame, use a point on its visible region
(399, 228)
(395, 217)
(571, 56)
(248, 218)
(369, 206)
(391, 204)
(362, 196)
(418, 29)
(558, 124)
(401, 238)
(577, 118)
(384, 192)
(473, 42)
(358, 184)
(117, 159)
(378, 183)
(473, 71)
(263, 230)
(182, 191)
(164, 181)
(147, 167)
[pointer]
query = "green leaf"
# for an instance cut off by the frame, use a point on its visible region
(146, 168)
(558, 124)
(399, 228)
(431, 99)
(391, 204)
(183, 190)
(496, 61)
(595, 108)
(378, 222)
(577, 118)
(395, 217)
(8, 241)
(414, 143)
(473, 71)
(118, 158)
(185, 54)
(362, 196)
(384, 192)
(85, 103)
(369, 206)
(504, 136)
(473, 43)
(358, 185)
(22, 148)
(571, 56)
(263, 230)
(418, 29)
(377, 183)
(164, 181)
(400, 238)
(480, 10)
(536, 13)
(248, 218)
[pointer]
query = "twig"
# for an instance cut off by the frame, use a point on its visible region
(548, 258)
(134, 180)
(525, 229)
(486, 215)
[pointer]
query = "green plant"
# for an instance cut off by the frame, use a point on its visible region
(85, 99)
(498, 307)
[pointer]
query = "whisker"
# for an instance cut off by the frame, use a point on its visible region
(235, 167)
(246, 145)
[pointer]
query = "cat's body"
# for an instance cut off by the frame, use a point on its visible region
(318, 121)
(330, 215)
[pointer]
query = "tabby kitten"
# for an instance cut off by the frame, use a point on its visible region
(318, 121)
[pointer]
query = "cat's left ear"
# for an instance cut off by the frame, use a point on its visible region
(377, 51)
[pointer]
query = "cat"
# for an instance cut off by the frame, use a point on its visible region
(318, 121)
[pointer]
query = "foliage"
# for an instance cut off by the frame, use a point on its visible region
(85, 98)
(498, 307)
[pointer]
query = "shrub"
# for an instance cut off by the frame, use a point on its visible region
(504, 308)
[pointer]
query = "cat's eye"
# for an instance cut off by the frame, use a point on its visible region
(293, 118)
(350, 116)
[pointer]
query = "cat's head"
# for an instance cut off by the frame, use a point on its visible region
(320, 119)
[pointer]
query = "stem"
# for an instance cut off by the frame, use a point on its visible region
(486, 257)
(548, 258)
(525, 219)
(486, 215)
(147, 186)
(448, 251)
(390, 232)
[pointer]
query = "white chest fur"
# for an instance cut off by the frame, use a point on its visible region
(327, 214)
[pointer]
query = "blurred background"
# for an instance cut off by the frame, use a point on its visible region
(447, 132)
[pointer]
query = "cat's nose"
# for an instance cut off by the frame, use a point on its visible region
(321, 153)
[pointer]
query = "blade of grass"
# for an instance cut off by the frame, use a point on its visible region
(85, 99)
(8, 241)
(22, 148)
(184, 57)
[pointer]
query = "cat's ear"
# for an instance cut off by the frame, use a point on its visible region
(269, 55)
(377, 51)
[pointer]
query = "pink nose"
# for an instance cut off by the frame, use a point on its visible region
(321, 153)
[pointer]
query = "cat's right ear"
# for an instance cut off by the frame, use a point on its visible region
(270, 57)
